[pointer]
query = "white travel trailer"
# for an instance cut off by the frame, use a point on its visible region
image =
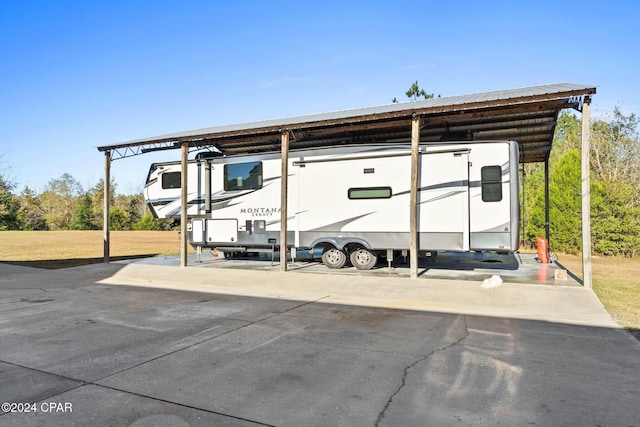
(352, 202)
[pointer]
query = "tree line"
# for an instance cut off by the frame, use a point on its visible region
(65, 205)
(615, 187)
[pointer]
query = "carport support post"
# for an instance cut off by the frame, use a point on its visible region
(413, 203)
(586, 194)
(183, 205)
(106, 218)
(546, 202)
(284, 188)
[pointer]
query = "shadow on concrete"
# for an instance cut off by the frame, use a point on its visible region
(54, 264)
(570, 273)
(464, 261)
(468, 261)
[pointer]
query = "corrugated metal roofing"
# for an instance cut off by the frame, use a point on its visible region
(527, 115)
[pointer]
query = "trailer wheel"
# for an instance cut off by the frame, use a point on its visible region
(363, 259)
(334, 258)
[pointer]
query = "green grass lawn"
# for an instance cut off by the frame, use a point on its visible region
(616, 281)
(60, 249)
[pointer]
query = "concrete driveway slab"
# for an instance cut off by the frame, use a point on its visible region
(22, 384)
(520, 372)
(295, 369)
(565, 304)
(160, 345)
(120, 328)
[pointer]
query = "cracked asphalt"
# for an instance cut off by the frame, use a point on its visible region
(147, 345)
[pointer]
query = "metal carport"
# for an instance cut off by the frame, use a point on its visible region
(527, 115)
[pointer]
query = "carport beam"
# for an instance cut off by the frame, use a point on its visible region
(183, 205)
(586, 194)
(106, 218)
(284, 188)
(413, 204)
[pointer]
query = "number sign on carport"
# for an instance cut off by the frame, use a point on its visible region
(527, 115)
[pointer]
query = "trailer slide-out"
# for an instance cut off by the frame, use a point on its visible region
(349, 202)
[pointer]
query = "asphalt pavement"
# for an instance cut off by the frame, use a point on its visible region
(150, 343)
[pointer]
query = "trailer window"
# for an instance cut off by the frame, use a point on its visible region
(491, 182)
(369, 193)
(171, 180)
(243, 176)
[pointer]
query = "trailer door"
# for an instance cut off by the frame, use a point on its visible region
(443, 198)
(494, 197)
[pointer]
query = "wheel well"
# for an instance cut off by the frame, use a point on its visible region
(324, 245)
(353, 246)
(346, 244)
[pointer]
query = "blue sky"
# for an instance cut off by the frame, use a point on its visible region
(80, 74)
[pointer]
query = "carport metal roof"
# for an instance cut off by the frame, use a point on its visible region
(527, 115)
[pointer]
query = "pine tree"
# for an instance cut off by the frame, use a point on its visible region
(9, 207)
(83, 215)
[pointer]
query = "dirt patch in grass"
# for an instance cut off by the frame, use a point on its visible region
(60, 249)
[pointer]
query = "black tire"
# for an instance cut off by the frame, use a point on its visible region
(363, 259)
(334, 258)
